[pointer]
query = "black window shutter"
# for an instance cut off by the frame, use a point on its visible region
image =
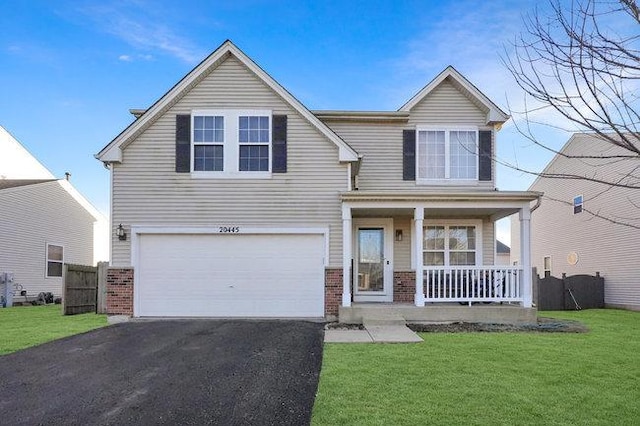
(485, 160)
(279, 144)
(409, 155)
(183, 143)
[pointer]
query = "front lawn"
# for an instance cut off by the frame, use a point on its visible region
(489, 378)
(25, 326)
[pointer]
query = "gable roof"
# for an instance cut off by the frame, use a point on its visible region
(584, 145)
(112, 152)
(18, 163)
(494, 114)
(20, 184)
(14, 183)
(502, 248)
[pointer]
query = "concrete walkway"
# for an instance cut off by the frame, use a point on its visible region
(373, 334)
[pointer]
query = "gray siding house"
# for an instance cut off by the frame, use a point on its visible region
(583, 226)
(231, 198)
(44, 223)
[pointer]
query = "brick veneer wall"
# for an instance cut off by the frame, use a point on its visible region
(120, 291)
(404, 286)
(332, 291)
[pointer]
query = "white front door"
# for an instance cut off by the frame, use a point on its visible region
(373, 263)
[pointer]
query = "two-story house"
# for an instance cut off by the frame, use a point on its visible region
(232, 199)
(589, 224)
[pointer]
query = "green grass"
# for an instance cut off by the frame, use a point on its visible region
(489, 378)
(25, 326)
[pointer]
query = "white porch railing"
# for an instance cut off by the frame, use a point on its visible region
(469, 284)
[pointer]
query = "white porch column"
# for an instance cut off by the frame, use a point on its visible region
(418, 220)
(346, 255)
(525, 255)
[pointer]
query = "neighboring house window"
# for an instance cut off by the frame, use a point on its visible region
(208, 143)
(546, 266)
(55, 260)
(447, 154)
(450, 245)
(577, 204)
(254, 141)
(231, 142)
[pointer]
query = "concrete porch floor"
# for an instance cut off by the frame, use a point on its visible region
(437, 313)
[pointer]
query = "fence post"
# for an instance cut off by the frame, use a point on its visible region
(535, 280)
(102, 287)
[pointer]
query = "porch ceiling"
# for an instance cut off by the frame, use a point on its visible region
(454, 213)
(440, 204)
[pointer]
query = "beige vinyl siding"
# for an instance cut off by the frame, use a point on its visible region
(445, 104)
(380, 144)
(602, 246)
(402, 249)
(147, 191)
(32, 216)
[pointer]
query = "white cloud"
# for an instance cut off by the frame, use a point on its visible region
(130, 58)
(136, 24)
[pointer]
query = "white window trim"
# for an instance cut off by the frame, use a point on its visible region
(574, 204)
(231, 146)
(447, 153)
(453, 222)
(46, 259)
(544, 270)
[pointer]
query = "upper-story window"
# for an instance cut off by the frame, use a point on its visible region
(231, 143)
(447, 154)
(208, 143)
(254, 138)
(577, 204)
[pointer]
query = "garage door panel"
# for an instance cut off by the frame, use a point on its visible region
(230, 275)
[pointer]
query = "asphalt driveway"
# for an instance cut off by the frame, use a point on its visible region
(187, 372)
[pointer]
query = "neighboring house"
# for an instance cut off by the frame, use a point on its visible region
(503, 253)
(584, 227)
(234, 199)
(44, 222)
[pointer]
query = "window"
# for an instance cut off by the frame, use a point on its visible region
(546, 266)
(231, 142)
(447, 154)
(577, 204)
(450, 245)
(208, 143)
(254, 143)
(55, 259)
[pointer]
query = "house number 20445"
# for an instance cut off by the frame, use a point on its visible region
(229, 229)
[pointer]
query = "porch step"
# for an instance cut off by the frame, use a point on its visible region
(374, 319)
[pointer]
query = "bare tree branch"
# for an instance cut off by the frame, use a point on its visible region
(575, 63)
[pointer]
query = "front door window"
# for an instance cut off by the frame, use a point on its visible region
(371, 260)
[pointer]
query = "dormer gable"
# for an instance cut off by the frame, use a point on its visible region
(493, 115)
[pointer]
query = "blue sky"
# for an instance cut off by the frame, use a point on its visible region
(72, 69)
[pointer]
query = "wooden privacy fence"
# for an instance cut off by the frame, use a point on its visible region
(570, 293)
(83, 288)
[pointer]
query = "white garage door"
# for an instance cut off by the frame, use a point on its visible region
(239, 275)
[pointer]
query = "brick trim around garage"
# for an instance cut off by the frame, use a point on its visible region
(120, 291)
(332, 291)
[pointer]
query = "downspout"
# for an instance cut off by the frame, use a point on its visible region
(538, 202)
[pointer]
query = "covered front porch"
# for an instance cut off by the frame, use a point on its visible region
(431, 257)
